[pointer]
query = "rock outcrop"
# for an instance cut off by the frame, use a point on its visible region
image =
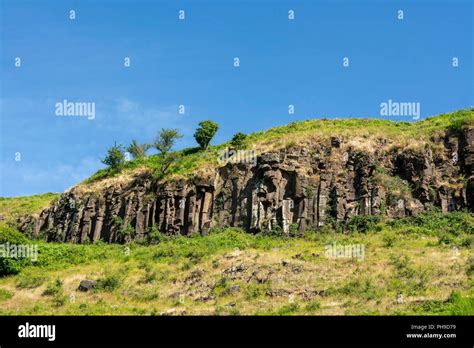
(291, 189)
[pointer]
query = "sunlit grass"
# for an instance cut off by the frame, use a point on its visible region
(232, 272)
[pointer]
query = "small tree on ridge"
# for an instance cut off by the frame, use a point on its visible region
(205, 133)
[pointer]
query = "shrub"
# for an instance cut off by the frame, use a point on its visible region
(238, 141)
(200, 246)
(115, 158)
(276, 231)
(167, 160)
(293, 230)
(155, 236)
(138, 150)
(166, 139)
(397, 187)
(142, 294)
(454, 223)
(123, 231)
(446, 239)
(57, 255)
(9, 265)
(363, 223)
(452, 228)
(467, 241)
(361, 287)
(109, 282)
(54, 289)
(205, 133)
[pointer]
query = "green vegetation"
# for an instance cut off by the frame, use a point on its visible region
(10, 236)
(54, 289)
(205, 133)
(364, 288)
(396, 187)
(238, 141)
(138, 150)
(363, 223)
(13, 208)
(5, 295)
(115, 158)
(415, 265)
(313, 306)
(163, 143)
(167, 160)
(288, 309)
(455, 304)
(470, 266)
(409, 133)
(453, 229)
(231, 272)
(166, 139)
(29, 279)
(109, 282)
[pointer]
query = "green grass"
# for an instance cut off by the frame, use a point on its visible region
(456, 304)
(5, 295)
(14, 207)
(29, 279)
(288, 309)
(189, 160)
(363, 287)
(150, 277)
(54, 289)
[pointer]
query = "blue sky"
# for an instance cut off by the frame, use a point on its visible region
(190, 62)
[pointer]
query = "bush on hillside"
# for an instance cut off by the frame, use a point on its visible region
(11, 265)
(115, 158)
(205, 133)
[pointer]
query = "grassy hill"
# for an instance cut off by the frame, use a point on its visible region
(13, 208)
(418, 265)
(299, 133)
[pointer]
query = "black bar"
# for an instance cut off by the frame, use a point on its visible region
(290, 331)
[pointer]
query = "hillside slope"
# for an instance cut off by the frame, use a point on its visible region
(306, 175)
(404, 269)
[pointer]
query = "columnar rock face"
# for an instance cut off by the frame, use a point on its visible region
(290, 189)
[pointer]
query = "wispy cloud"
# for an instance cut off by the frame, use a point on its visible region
(58, 152)
(23, 179)
(144, 121)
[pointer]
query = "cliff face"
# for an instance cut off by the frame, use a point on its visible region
(293, 188)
